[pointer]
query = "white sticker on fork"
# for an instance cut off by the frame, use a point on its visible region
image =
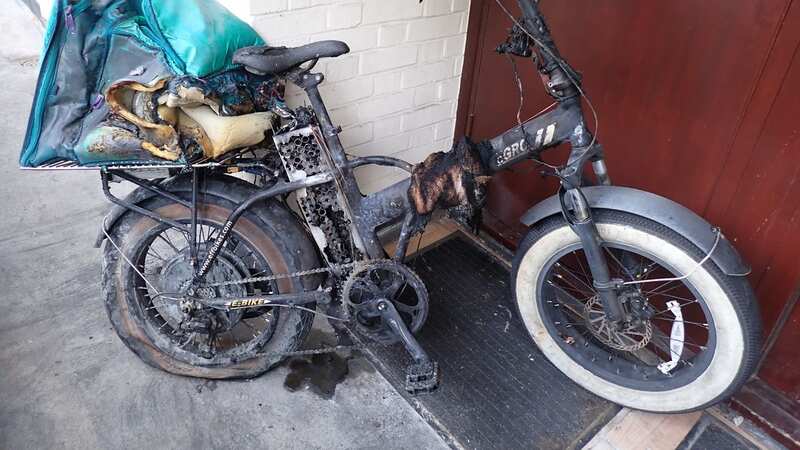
(675, 338)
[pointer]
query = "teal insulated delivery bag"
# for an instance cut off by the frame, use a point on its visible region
(138, 81)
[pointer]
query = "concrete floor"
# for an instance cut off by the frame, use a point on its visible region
(66, 380)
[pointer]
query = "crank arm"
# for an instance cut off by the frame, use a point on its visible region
(392, 318)
(258, 301)
(423, 375)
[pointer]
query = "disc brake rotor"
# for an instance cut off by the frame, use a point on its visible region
(630, 337)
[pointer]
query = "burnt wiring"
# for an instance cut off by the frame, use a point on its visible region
(518, 82)
(567, 72)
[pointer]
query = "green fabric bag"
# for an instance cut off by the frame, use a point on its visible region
(91, 44)
(200, 35)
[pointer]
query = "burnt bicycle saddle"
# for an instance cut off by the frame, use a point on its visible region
(267, 60)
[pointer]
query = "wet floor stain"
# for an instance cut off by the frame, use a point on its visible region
(319, 374)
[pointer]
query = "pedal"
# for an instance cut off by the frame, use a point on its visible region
(422, 378)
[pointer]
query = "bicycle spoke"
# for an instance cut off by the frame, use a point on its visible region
(675, 297)
(580, 293)
(212, 235)
(688, 322)
(646, 271)
(156, 263)
(681, 305)
(570, 299)
(562, 266)
(640, 347)
(168, 242)
(201, 234)
(573, 287)
(656, 292)
(560, 322)
(580, 265)
(619, 263)
(667, 340)
(153, 252)
(258, 274)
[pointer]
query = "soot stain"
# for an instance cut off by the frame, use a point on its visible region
(209, 385)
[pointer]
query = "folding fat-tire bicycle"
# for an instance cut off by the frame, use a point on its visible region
(631, 295)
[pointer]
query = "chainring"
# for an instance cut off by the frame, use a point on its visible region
(390, 280)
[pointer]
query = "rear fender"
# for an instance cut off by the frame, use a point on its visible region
(658, 209)
(235, 191)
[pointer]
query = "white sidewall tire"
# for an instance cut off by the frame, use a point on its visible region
(707, 388)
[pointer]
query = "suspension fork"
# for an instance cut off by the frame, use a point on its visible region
(601, 171)
(579, 216)
(563, 84)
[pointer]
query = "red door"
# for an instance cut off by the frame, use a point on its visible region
(697, 101)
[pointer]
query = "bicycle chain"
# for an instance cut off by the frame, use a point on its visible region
(280, 276)
(317, 351)
(359, 345)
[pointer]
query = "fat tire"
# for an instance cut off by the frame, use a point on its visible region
(737, 290)
(277, 223)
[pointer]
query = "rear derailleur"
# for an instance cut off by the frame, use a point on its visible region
(388, 303)
(200, 320)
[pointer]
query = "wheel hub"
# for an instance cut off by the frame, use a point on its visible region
(177, 274)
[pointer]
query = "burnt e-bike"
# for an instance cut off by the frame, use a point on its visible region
(631, 295)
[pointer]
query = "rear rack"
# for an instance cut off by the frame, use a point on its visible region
(67, 164)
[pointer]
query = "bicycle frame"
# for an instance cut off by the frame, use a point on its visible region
(210, 285)
(564, 123)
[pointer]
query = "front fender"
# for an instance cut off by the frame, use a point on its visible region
(658, 209)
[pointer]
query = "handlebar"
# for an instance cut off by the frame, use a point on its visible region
(562, 80)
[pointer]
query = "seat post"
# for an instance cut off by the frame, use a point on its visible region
(310, 82)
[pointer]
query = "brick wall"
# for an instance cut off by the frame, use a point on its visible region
(396, 92)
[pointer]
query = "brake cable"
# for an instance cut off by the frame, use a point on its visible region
(562, 64)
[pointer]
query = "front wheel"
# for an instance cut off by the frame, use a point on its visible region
(685, 344)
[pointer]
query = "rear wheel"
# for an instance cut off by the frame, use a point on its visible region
(144, 301)
(685, 344)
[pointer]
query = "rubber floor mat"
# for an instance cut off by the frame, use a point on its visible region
(711, 434)
(497, 390)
